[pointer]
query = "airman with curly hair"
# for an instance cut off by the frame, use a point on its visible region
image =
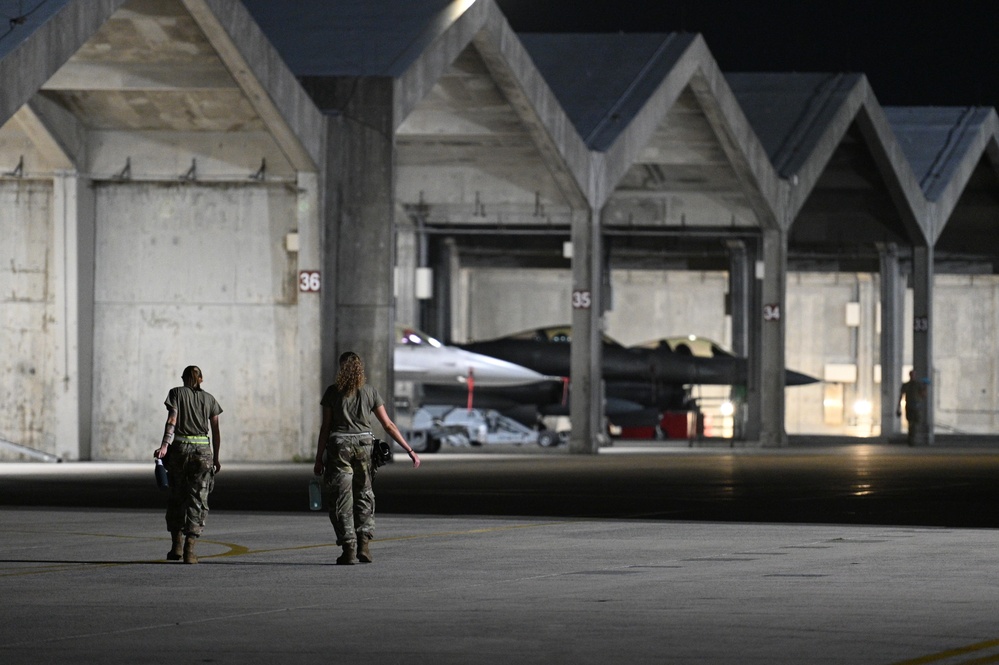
(343, 456)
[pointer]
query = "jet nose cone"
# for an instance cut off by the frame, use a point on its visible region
(489, 371)
(792, 378)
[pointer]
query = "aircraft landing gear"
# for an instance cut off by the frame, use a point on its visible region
(422, 442)
(547, 439)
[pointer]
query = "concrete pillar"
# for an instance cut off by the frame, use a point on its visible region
(406, 306)
(309, 312)
(457, 300)
(72, 280)
(739, 298)
(866, 347)
(445, 265)
(752, 422)
(358, 313)
(773, 293)
(739, 295)
(586, 405)
(922, 335)
(892, 308)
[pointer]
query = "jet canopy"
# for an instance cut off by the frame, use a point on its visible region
(415, 337)
(688, 345)
(552, 335)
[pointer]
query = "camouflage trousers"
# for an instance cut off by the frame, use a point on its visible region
(192, 478)
(348, 473)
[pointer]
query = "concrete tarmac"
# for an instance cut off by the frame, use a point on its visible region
(83, 576)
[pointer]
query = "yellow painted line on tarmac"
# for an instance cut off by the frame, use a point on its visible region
(234, 549)
(959, 651)
(436, 534)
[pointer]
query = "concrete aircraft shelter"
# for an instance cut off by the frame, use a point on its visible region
(156, 173)
(850, 201)
(172, 168)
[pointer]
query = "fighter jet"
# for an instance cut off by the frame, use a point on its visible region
(723, 368)
(641, 382)
(669, 361)
(422, 359)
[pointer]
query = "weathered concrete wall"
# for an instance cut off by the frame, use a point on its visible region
(966, 376)
(195, 274)
(170, 154)
(495, 302)
(817, 335)
(648, 305)
(27, 304)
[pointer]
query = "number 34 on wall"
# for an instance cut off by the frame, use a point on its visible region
(309, 281)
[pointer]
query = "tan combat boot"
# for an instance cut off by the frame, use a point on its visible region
(347, 558)
(189, 556)
(176, 553)
(363, 553)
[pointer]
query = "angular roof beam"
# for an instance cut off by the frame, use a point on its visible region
(291, 117)
(28, 66)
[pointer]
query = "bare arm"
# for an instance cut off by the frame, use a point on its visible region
(168, 429)
(216, 443)
(324, 435)
(394, 432)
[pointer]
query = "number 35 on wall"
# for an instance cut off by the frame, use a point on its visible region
(309, 281)
(581, 299)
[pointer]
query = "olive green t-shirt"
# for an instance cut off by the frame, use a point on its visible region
(195, 409)
(350, 413)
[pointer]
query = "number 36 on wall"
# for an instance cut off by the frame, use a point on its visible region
(309, 281)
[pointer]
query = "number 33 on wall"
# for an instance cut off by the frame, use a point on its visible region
(309, 281)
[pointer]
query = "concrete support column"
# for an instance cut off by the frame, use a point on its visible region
(360, 243)
(752, 422)
(586, 405)
(309, 312)
(773, 290)
(72, 283)
(445, 267)
(866, 351)
(739, 295)
(406, 307)
(739, 298)
(922, 335)
(892, 308)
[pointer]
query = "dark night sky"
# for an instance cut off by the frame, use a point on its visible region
(914, 52)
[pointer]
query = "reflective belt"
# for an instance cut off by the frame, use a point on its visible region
(196, 440)
(334, 435)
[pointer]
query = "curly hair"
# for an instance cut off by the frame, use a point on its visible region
(351, 375)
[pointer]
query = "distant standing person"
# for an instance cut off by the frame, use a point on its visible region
(192, 460)
(914, 395)
(343, 456)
